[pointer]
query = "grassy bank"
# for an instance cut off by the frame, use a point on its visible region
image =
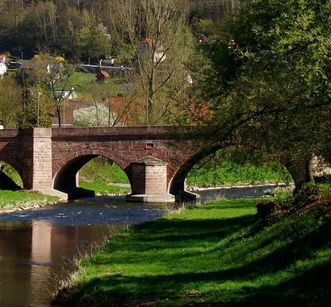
(86, 83)
(17, 199)
(211, 254)
(103, 188)
(100, 173)
(230, 173)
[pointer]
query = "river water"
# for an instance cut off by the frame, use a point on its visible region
(37, 247)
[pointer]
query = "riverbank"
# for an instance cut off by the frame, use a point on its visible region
(219, 253)
(11, 201)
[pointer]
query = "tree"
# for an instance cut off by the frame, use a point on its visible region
(93, 42)
(10, 102)
(106, 110)
(50, 76)
(275, 103)
(159, 44)
(36, 107)
(73, 21)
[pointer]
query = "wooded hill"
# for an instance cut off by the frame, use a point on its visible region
(72, 26)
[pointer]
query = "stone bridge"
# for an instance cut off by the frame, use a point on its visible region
(48, 160)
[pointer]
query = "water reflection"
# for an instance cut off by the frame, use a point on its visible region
(37, 247)
(32, 257)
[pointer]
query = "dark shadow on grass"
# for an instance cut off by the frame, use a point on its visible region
(309, 287)
(179, 230)
(167, 234)
(231, 204)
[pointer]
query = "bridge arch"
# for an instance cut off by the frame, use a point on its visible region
(177, 182)
(177, 185)
(65, 177)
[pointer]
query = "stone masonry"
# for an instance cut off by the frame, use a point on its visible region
(49, 159)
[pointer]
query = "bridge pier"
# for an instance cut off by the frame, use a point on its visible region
(149, 182)
(37, 156)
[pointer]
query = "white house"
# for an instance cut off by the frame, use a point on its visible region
(3, 58)
(3, 69)
(149, 44)
(65, 94)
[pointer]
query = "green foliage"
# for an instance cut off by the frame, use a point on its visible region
(10, 102)
(325, 190)
(103, 169)
(59, 27)
(78, 80)
(226, 173)
(277, 103)
(93, 42)
(36, 108)
(211, 254)
(230, 173)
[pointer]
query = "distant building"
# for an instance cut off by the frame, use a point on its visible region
(3, 58)
(102, 75)
(3, 69)
(149, 45)
(107, 62)
(62, 94)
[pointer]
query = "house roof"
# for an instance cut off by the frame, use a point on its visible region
(151, 43)
(103, 74)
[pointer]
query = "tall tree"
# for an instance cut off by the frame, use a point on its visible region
(159, 44)
(93, 42)
(275, 100)
(46, 81)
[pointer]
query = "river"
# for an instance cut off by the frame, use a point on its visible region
(38, 247)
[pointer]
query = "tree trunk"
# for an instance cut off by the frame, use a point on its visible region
(59, 116)
(300, 171)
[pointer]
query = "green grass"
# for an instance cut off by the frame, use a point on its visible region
(79, 80)
(98, 174)
(211, 254)
(102, 169)
(14, 199)
(229, 173)
(102, 188)
(82, 82)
